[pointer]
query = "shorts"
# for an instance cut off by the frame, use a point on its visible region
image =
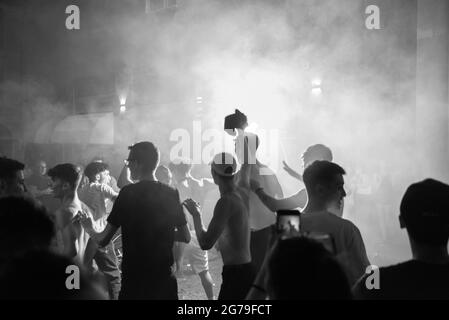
(197, 258)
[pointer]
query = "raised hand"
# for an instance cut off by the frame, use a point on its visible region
(86, 220)
(192, 206)
(291, 172)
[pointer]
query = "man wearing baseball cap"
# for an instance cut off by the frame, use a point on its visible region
(230, 227)
(424, 213)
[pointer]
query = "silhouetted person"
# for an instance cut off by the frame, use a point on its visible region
(324, 184)
(261, 218)
(151, 217)
(12, 180)
(424, 213)
(230, 227)
(42, 275)
(302, 269)
(25, 226)
(95, 194)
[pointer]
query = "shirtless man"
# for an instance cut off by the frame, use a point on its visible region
(230, 227)
(71, 236)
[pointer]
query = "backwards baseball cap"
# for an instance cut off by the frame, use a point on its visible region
(425, 203)
(224, 164)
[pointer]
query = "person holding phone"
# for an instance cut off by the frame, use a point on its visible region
(325, 188)
(318, 276)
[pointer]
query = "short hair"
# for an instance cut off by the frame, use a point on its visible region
(424, 212)
(163, 174)
(146, 154)
(302, 268)
(9, 167)
(25, 225)
(317, 152)
(320, 172)
(94, 168)
(67, 172)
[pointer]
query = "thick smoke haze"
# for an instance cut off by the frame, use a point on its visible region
(304, 72)
(264, 58)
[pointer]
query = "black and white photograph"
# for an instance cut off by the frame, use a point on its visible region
(245, 151)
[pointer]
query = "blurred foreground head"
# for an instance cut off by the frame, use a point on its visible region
(43, 275)
(302, 269)
(424, 212)
(12, 179)
(25, 225)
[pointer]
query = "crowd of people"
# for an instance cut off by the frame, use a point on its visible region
(68, 216)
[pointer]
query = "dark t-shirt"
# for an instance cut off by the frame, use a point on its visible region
(148, 213)
(409, 280)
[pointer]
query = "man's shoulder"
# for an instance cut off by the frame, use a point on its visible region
(398, 281)
(165, 188)
(345, 223)
(411, 266)
(89, 188)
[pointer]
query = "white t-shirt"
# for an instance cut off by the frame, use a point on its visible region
(260, 216)
(95, 195)
(350, 249)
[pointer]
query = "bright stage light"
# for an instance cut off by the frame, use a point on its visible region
(316, 87)
(317, 91)
(122, 99)
(199, 100)
(122, 108)
(316, 82)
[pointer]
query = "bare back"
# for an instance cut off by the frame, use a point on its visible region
(234, 242)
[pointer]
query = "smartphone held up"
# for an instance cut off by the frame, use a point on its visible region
(288, 223)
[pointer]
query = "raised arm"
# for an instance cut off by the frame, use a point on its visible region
(292, 172)
(109, 192)
(299, 199)
(207, 238)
